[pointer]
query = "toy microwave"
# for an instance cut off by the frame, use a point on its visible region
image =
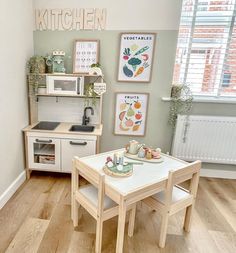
(64, 85)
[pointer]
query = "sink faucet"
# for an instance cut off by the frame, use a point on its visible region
(85, 118)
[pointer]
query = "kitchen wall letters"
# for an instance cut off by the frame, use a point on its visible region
(70, 19)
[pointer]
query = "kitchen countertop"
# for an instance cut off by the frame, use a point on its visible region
(63, 128)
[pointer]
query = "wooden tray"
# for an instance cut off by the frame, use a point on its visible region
(135, 157)
(114, 172)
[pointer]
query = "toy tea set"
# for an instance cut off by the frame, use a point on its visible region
(116, 166)
(137, 151)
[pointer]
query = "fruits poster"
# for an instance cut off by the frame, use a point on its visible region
(131, 112)
(136, 56)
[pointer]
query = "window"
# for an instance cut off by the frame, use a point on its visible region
(226, 80)
(206, 49)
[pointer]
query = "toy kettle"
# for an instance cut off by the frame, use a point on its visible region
(133, 147)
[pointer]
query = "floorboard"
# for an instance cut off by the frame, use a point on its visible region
(37, 220)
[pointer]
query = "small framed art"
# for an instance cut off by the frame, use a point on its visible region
(131, 113)
(136, 57)
(86, 53)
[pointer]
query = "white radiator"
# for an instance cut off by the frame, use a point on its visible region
(207, 138)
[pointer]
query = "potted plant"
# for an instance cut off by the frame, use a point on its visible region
(181, 102)
(95, 69)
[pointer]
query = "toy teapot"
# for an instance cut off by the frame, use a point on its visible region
(133, 147)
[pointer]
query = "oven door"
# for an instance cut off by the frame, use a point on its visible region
(44, 153)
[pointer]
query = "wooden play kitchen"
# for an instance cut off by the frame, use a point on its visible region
(54, 135)
(146, 180)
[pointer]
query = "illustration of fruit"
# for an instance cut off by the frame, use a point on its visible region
(129, 123)
(123, 128)
(122, 115)
(136, 127)
(137, 105)
(127, 71)
(134, 62)
(138, 115)
(130, 112)
(126, 57)
(123, 106)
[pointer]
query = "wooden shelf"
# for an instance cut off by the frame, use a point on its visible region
(61, 95)
(58, 74)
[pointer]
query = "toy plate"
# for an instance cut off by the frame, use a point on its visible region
(113, 171)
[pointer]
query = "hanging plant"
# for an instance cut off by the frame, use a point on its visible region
(90, 95)
(36, 67)
(181, 102)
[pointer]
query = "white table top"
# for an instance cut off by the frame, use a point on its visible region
(145, 174)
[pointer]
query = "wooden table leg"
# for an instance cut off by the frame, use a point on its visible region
(74, 188)
(121, 227)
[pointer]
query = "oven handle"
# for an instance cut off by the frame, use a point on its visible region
(78, 143)
(43, 141)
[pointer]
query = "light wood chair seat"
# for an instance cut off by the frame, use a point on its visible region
(176, 198)
(178, 194)
(93, 199)
(91, 193)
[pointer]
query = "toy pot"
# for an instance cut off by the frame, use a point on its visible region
(133, 147)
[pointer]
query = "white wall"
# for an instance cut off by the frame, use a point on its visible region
(16, 46)
(127, 14)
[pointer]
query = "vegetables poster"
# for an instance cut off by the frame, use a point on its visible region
(136, 54)
(131, 111)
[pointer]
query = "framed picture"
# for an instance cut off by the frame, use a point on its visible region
(86, 53)
(136, 57)
(131, 113)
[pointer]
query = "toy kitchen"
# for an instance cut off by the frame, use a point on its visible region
(65, 118)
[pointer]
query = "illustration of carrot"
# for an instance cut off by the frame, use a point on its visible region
(139, 71)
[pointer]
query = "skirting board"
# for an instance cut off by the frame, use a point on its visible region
(226, 174)
(12, 189)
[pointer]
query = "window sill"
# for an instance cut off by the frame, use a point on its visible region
(221, 100)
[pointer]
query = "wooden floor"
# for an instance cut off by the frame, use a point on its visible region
(37, 219)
